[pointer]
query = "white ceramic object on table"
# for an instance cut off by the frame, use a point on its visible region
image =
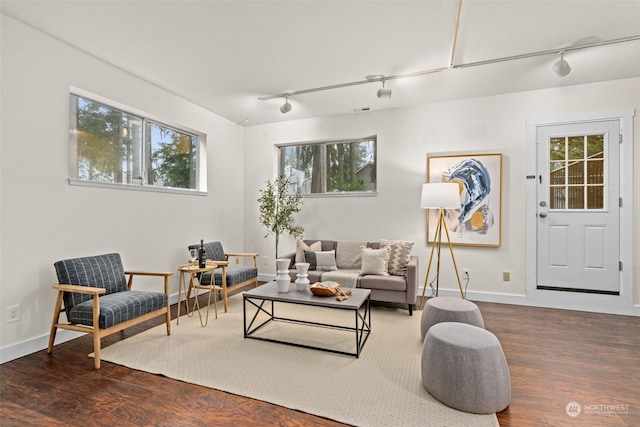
(302, 282)
(283, 279)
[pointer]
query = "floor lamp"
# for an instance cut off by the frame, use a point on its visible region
(441, 196)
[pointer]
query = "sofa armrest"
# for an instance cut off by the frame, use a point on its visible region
(63, 287)
(243, 254)
(412, 279)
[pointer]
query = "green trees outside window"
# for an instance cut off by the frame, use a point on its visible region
(330, 167)
(109, 145)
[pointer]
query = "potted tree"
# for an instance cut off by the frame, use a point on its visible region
(277, 206)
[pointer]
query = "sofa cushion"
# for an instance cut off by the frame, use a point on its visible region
(321, 260)
(235, 274)
(118, 307)
(302, 246)
(348, 256)
(374, 261)
(388, 283)
(399, 255)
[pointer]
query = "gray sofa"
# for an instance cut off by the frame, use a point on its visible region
(394, 288)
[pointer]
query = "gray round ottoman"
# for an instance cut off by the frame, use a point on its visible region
(463, 366)
(449, 309)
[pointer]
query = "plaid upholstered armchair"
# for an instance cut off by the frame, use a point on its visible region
(229, 277)
(98, 298)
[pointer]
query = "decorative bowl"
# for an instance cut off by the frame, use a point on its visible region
(324, 289)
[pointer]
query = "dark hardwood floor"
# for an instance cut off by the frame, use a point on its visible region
(555, 357)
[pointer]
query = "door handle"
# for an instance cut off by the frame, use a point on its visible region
(542, 214)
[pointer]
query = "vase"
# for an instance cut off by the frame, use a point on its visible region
(283, 279)
(302, 282)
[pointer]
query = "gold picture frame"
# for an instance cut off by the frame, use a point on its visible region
(478, 222)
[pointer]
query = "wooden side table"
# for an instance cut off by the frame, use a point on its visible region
(194, 283)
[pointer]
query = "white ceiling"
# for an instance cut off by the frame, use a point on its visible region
(224, 55)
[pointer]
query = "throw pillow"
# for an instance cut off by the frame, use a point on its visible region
(348, 255)
(374, 261)
(399, 255)
(319, 260)
(302, 246)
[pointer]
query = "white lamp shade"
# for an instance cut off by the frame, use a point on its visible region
(436, 195)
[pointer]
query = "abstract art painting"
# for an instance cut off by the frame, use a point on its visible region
(478, 222)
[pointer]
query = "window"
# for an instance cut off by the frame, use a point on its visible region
(110, 146)
(331, 168)
(577, 172)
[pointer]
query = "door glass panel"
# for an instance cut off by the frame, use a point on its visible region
(557, 149)
(558, 175)
(595, 172)
(577, 172)
(575, 148)
(557, 199)
(576, 198)
(595, 146)
(595, 197)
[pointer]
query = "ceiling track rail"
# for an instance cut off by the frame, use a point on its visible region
(454, 66)
(455, 36)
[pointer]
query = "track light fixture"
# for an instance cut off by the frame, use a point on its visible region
(286, 107)
(384, 93)
(561, 67)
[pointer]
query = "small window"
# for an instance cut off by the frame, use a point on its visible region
(331, 168)
(577, 172)
(110, 146)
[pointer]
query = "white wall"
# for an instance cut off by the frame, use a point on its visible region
(44, 219)
(405, 137)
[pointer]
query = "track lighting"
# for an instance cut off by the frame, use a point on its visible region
(384, 93)
(286, 107)
(561, 67)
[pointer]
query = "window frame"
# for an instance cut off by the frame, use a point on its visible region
(366, 193)
(200, 155)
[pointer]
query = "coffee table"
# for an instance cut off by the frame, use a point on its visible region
(265, 298)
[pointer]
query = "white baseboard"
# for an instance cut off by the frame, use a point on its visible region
(33, 345)
(595, 303)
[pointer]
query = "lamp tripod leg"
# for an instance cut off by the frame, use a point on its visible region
(436, 238)
(455, 266)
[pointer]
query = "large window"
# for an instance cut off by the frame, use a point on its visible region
(109, 146)
(331, 168)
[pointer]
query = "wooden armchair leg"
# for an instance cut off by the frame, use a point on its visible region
(56, 319)
(96, 331)
(168, 315)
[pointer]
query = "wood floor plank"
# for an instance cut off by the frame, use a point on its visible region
(555, 357)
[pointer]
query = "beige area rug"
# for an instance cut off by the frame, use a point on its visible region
(382, 387)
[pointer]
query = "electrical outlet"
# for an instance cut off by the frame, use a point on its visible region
(264, 260)
(465, 273)
(13, 313)
(237, 260)
(506, 276)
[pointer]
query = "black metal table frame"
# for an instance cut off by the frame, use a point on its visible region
(362, 327)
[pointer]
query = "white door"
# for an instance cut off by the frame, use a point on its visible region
(578, 223)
